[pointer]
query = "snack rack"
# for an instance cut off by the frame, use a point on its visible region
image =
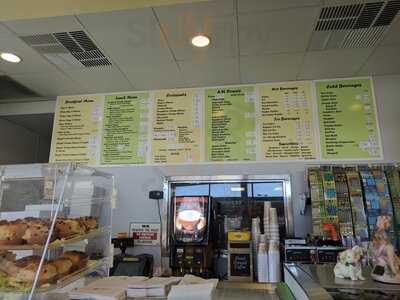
(55, 228)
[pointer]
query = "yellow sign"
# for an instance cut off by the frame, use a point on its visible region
(76, 132)
(177, 126)
(239, 236)
(287, 127)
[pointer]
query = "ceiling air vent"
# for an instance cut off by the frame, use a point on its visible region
(388, 13)
(357, 25)
(68, 49)
(338, 17)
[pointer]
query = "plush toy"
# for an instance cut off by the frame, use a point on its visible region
(349, 264)
(386, 264)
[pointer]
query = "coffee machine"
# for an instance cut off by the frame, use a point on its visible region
(190, 250)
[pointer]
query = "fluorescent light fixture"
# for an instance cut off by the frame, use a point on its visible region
(200, 41)
(10, 57)
(237, 189)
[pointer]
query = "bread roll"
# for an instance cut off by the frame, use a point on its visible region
(36, 232)
(11, 233)
(89, 223)
(66, 228)
(63, 266)
(79, 259)
(27, 268)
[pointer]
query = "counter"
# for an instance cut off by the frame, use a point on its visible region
(307, 281)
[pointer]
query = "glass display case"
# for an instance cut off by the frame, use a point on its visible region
(55, 228)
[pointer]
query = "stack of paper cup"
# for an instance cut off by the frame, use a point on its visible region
(262, 263)
(266, 220)
(255, 232)
(274, 264)
(274, 226)
(255, 240)
(255, 224)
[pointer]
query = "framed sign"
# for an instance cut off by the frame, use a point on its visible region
(145, 234)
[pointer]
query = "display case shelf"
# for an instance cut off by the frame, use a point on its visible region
(91, 266)
(59, 243)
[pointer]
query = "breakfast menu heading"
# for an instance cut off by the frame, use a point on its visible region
(306, 120)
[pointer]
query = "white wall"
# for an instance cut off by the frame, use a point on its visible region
(135, 182)
(18, 144)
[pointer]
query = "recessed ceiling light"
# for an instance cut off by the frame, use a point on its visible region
(10, 57)
(200, 41)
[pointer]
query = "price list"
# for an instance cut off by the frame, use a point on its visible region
(287, 130)
(125, 128)
(76, 132)
(347, 119)
(230, 124)
(177, 126)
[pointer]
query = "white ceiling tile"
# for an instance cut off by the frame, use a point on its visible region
(245, 6)
(100, 80)
(215, 19)
(210, 72)
(155, 76)
(333, 63)
(384, 61)
(31, 60)
(286, 30)
(180, 29)
(44, 25)
(392, 37)
(4, 31)
(270, 67)
(50, 84)
(131, 38)
(213, 8)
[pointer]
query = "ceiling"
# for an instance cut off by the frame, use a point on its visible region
(251, 41)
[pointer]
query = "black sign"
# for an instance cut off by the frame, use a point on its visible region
(240, 264)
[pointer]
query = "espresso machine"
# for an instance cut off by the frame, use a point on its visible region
(190, 250)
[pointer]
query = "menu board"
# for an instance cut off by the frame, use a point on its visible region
(230, 123)
(125, 128)
(76, 132)
(240, 264)
(287, 129)
(177, 126)
(347, 119)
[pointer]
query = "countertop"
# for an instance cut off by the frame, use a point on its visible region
(319, 282)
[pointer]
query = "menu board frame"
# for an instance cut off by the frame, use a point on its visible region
(257, 113)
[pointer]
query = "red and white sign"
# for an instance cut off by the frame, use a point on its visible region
(146, 233)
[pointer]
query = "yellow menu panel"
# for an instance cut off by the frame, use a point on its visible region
(287, 128)
(176, 126)
(76, 132)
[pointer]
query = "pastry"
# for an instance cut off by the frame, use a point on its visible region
(7, 255)
(69, 227)
(89, 223)
(63, 266)
(79, 259)
(23, 274)
(11, 232)
(36, 232)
